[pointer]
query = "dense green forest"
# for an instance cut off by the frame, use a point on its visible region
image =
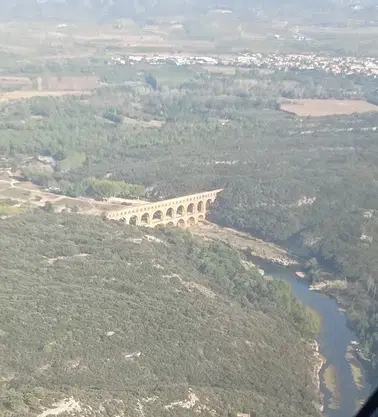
(126, 321)
(285, 178)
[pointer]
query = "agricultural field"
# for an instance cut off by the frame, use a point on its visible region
(15, 82)
(224, 70)
(317, 108)
(26, 94)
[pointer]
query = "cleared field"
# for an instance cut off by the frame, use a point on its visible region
(142, 123)
(72, 202)
(16, 193)
(70, 83)
(4, 185)
(226, 70)
(21, 95)
(317, 108)
(15, 81)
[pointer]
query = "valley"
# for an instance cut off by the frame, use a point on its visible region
(245, 135)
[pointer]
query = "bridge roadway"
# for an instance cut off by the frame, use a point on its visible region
(181, 211)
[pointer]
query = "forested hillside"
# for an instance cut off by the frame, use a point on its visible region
(129, 322)
(156, 99)
(285, 177)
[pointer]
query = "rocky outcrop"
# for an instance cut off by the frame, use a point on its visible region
(284, 261)
(318, 362)
(325, 285)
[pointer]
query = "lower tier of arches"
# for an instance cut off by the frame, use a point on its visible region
(182, 222)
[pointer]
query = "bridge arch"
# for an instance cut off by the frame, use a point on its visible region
(191, 221)
(145, 219)
(181, 223)
(167, 212)
(180, 211)
(133, 220)
(190, 209)
(170, 224)
(157, 216)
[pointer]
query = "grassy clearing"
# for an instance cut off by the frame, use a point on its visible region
(15, 193)
(317, 108)
(172, 75)
(9, 209)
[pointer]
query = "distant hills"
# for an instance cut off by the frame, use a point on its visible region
(111, 9)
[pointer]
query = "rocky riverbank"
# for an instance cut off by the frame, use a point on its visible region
(323, 376)
(326, 285)
(317, 365)
(274, 254)
(243, 241)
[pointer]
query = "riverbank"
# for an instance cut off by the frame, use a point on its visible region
(339, 385)
(318, 362)
(243, 241)
(329, 285)
(276, 255)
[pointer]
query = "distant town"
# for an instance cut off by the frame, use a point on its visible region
(346, 65)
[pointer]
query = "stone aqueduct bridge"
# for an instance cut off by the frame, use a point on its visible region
(181, 211)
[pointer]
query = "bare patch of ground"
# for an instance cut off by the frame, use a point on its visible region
(16, 193)
(58, 258)
(318, 362)
(153, 239)
(317, 108)
(191, 403)
(142, 123)
(325, 285)
(3, 185)
(65, 406)
(191, 285)
(71, 203)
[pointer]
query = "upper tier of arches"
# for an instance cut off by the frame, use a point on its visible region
(187, 205)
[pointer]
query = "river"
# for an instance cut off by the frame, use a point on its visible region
(334, 339)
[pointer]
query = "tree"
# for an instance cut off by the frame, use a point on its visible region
(48, 207)
(151, 80)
